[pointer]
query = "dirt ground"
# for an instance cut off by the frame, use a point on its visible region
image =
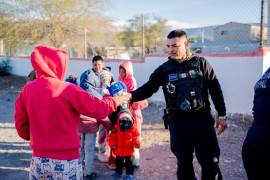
(157, 161)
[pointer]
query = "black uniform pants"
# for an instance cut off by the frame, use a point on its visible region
(124, 161)
(195, 133)
(256, 153)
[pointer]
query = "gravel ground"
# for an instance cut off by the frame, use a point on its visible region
(156, 158)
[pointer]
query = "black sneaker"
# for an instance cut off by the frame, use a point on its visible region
(92, 176)
(136, 167)
(116, 176)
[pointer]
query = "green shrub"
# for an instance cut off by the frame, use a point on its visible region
(5, 67)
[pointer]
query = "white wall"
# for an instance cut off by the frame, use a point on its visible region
(266, 61)
(237, 75)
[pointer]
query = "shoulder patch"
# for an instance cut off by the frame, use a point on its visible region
(262, 82)
(173, 77)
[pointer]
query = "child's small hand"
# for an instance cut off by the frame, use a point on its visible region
(105, 91)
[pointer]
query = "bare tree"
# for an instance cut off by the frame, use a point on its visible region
(58, 23)
(153, 33)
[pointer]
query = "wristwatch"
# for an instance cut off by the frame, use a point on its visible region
(223, 118)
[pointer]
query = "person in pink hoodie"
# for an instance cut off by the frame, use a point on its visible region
(126, 76)
(47, 112)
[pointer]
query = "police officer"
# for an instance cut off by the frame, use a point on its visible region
(186, 80)
(256, 147)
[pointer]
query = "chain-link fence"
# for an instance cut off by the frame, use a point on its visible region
(212, 27)
(226, 27)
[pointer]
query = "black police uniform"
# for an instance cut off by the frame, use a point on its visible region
(256, 147)
(186, 87)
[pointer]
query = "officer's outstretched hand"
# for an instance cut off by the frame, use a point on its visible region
(221, 125)
(122, 99)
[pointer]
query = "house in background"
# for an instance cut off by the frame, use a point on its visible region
(238, 32)
(232, 37)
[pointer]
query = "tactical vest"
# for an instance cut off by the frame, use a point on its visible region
(184, 90)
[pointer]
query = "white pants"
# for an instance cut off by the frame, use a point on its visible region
(53, 169)
(136, 160)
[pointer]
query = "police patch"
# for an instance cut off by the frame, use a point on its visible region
(170, 88)
(262, 82)
(173, 77)
(184, 75)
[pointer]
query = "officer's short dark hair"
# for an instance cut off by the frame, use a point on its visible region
(176, 33)
(97, 58)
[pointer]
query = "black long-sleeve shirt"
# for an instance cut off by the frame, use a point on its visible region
(158, 78)
(261, 102)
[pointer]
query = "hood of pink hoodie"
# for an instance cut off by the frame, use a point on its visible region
(129, 80)
(49, 62)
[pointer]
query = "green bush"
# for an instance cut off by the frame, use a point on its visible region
(5, 67)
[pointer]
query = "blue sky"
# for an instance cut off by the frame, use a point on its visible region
(192, 13)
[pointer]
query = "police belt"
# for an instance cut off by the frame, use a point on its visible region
(171, 111)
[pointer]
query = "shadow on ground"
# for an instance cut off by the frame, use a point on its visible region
(14, 160)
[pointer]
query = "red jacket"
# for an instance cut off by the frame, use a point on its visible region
(47, 111)
(124, 142)
(131, 84)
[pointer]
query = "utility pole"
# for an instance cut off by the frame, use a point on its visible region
(202, 36)
(85, 44)
(1, 47)
(268, 23)
(143, 46)
(262, 25)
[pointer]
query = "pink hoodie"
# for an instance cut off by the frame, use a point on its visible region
(129, 80)
(131, 84)
(47, 111)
